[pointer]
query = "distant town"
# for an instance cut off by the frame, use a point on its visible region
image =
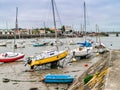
(64, 31)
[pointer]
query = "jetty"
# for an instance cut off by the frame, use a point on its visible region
(113, 76)
(105, 74)
(97, 71)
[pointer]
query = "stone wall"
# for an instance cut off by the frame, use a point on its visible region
(78, 84)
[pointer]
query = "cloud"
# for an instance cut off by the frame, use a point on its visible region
(33, 13)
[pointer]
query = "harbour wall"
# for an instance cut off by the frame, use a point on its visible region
(50, 35)
(23, 36)
(98, 67)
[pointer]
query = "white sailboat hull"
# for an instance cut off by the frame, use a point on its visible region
(82, 51)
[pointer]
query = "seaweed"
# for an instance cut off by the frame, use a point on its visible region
(87, 78)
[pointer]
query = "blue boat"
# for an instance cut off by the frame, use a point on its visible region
(38, 44)
(58, 78)
(85, 44)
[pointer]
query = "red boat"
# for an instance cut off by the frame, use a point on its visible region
(10, 57)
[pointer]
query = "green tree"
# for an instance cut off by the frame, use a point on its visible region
(36, 31)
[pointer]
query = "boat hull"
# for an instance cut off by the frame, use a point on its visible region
(10, 59)
(58, 78)
(51, 59)
(38, 45)
(82, 53)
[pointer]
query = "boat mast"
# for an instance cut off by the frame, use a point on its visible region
(54, 20)
(7, 28)
(96, 33)
(44, 28)
(16, 28)
(99, 36)
(53, 9)
(85, 19)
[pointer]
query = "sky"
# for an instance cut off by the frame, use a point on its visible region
(38, 13)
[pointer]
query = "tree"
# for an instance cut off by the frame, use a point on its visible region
(36, 31)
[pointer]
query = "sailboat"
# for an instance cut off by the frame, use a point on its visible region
(85, 49)
(99, 47)
(19, 44)
(11, 56)
(49, 56)
(40, 43)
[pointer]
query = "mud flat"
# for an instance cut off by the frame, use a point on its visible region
(19, 79)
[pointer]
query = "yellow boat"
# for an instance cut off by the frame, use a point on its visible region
(46, 57)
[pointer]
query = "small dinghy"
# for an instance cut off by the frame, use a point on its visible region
(10, 57)
(58, 78)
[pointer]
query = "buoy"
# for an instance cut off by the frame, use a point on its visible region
(86, 65)
(97, 54)
(42, 79)
(74, 60)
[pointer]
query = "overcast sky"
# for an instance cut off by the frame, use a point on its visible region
(33, 13)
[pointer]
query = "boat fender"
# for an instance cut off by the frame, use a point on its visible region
(42, 79)
(97, 54)
(86, 65)
(74, 60)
